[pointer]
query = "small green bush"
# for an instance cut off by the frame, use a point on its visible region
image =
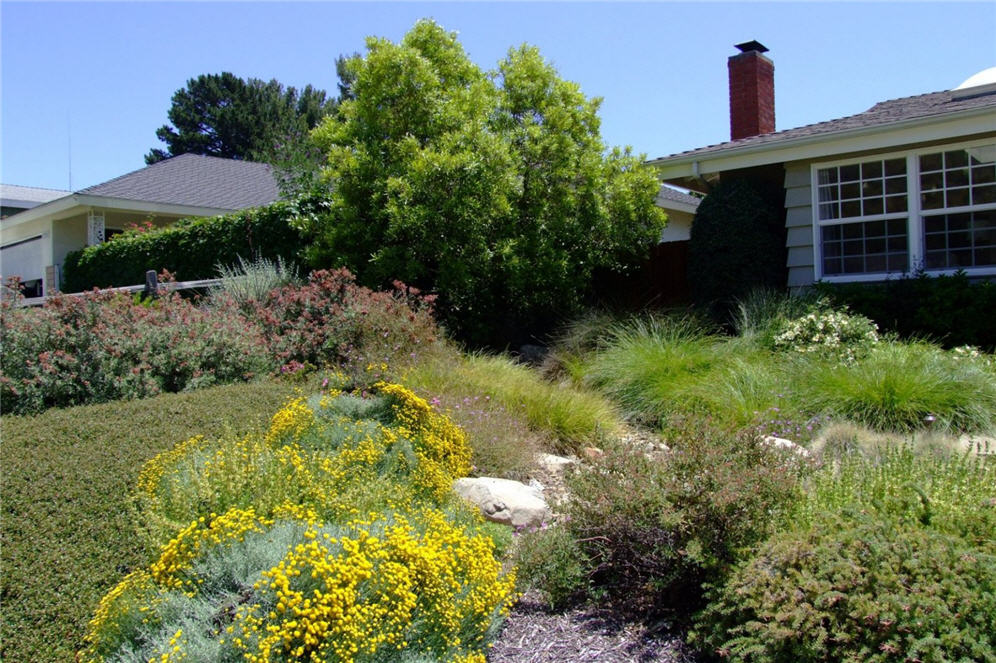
(657, 525)
(827, 333)
(951, 310)
(737, 244)
(252, 280)
(869, 590)
(192, 248)
(552, 561)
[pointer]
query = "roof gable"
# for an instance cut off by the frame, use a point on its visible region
(195, 180)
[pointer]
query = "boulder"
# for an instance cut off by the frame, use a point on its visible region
(504, 501)
(554, 465)
(782, 443)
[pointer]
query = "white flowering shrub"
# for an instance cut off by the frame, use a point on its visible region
(828, 333)
(971, 354)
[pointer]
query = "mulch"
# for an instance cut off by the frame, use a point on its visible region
(533, 634)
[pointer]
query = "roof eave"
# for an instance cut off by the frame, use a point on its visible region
(61, 206)
(922, 129)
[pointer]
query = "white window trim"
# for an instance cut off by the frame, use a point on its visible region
(913, 213)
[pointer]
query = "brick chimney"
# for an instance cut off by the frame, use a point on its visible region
(752, 92)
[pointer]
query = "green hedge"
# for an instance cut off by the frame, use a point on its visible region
(192, 248)
(951, 310)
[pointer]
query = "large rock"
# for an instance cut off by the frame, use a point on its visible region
(504, 501)
(782, 443)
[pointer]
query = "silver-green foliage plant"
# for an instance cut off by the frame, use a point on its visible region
(253, 280)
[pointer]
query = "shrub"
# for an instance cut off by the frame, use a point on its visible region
(292, 587)
(737, 244)
(252, 280)
(658, 525)
(104, 347)
(192, 248)
(828, 333)
(951, 310)
(915, 485)
(331, 320)
(314, 454)
(552, 561)
(903, 386)
(863, 590)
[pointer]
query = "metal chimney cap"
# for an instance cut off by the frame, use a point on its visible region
(749, 46)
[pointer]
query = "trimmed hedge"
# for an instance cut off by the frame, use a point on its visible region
(737, 244)
(192, 248)
(951, 310)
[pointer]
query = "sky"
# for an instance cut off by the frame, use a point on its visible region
(84, 86)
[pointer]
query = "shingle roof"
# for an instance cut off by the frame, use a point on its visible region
(29, 194)
(673, 195)
(196, 180)
(881, 114)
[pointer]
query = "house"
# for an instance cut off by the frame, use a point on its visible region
(34, 242)
(907, 185)
(14, 199)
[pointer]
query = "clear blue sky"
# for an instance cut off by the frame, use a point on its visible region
(107, 71)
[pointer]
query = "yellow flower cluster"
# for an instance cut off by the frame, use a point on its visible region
(386, 586)
(346, 589)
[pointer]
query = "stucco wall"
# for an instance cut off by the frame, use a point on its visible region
(679, 226)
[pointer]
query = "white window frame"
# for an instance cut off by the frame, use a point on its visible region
(913, 214)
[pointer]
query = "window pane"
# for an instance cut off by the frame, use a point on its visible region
(957, 177)
(959, 240)
(850, 191)
(895, 185)
(827, 176)
(955, 159)
(829, 193)
(850, 173)
(875, 229)
(982, 195)
(985, 257)
(895, 167)
(898, 262)
(897, 244)
(854, 265)
(831, 233)
(959, 221)
(854, 247)
(932, 181)
(982, 154)
(875, 245)
(935, 242)
(934, 200)
(984, 174)
(872, 169)
(872, 206)
(832, 266)
(831, 249)
(854, 231)
(871, 188)
(935, 260)
(930, 162)
(895, 204)
(897, 227)
(935, 224)
(850, 208)
(960, 258)
(876, 263)
(957, 197)
(985, 219)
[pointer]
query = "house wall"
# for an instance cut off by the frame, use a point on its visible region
(799, 224)
(24, 231)
(679, 226)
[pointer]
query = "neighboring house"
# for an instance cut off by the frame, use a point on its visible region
(14, 199)
(34, 242)
(667, 270)
(909, 184)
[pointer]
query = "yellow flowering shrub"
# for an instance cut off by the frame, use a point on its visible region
(312, 455)
(367, 590)
(329, 546)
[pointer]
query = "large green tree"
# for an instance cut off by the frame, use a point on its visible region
(223, 115)
(492, 189)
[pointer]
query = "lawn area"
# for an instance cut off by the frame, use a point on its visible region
(68, 534)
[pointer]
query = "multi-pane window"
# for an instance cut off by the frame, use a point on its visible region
(931, 209)
(867, 203)
(958, 204)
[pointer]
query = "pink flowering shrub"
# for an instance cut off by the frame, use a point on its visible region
(104, 347)
(331, 320)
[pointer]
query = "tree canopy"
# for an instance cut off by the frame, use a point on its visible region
(492, 189)
(223, 115)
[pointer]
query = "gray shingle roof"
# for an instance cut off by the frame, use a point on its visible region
(881, 114)
(673, 195)
(28, 194)
(196, 180)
